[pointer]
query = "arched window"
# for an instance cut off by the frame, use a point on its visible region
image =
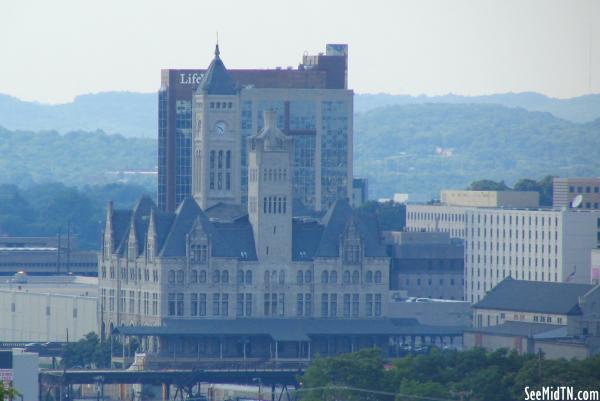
(194, 278)
(308, 276)
(202, 278)
(281, 277)
(225, 276)
(216, 276)
(171, 276)
(267, 277)
(212, 159)
(346, 277)
(378, 277)
(248, 276)
(228, 159)
(220, 162)
(369, 277)
(324, 277)
(333, 277)
(300, 277)
(240, 277)
(180, 276)
(355, 277)
(274, 276)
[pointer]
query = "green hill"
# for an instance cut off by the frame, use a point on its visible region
(397, 147)
(75, 158)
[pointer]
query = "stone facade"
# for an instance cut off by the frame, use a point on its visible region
(226, 263)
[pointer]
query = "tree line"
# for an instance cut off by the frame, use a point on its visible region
(49, 209)
(474, 375)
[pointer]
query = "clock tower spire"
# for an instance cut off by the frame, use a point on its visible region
(216, 166)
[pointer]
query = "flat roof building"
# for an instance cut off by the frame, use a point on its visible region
(490, 198)
(45, 255)
(424, 264)
(39, 309)
(537, 245)
(584, 191)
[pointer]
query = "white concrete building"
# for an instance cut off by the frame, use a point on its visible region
(45, 308)
(436, 218)
(536, 245)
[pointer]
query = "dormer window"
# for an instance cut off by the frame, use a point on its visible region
(352, 253)
(199, 253)
(131, 250)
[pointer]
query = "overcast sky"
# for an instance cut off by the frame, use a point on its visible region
(51, 51)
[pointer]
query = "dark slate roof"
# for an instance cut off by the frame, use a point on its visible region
(216, 80)
(337, 219)
(224, 212)
(234, 240)
(535, 296)
(518, 329)
(138, 219)
(120, 226)
(290, 329)
(187, 214)
(231, 233)
(299, 209)
(306, 236)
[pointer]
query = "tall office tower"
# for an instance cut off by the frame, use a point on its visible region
(312, 104)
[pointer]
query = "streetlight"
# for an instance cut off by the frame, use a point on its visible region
(99, 380)
(259, 381)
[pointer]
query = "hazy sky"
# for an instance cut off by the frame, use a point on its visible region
(51, 51)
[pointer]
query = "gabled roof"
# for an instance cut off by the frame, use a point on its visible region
(225, 212)
(139, 218)
(231, 233)
(187, 214)
(535, 296)
(306, 236)
(216, 80)
(337, 219)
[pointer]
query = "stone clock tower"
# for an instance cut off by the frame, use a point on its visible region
(270, 174)
(216, 138)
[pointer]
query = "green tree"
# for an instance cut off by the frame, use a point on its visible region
(410, 388)
(362, 369)
(8, 393)
(391, 216)
(488, 185)
(87, 352)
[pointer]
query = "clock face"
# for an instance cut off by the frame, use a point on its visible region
(220, 128)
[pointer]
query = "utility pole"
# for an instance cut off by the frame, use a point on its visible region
(69, 246)
(58, 253)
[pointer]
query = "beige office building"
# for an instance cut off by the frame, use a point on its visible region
(522, 199)
(565, 190)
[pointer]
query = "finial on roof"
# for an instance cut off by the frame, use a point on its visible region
(217, 52)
